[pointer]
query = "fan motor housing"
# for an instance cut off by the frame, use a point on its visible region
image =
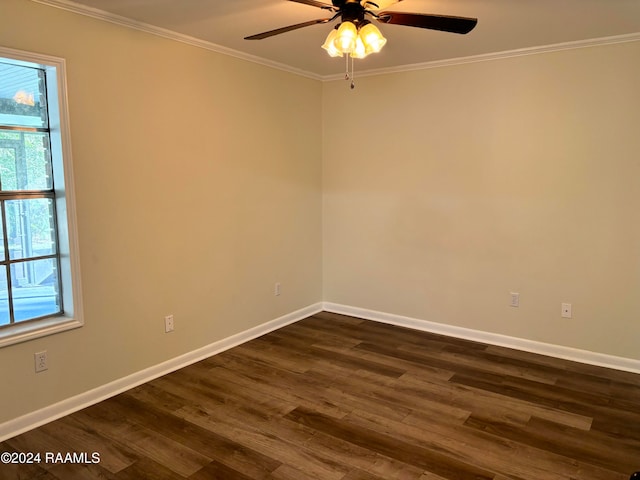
(353, 11)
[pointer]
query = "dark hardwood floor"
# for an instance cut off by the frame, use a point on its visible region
(339, 398)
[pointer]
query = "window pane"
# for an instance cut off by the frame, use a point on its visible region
(22, 99)
(34, 289)
(30, 228)
(25, 163)
(4, 298)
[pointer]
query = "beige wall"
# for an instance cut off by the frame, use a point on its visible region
(445, 189)
(198, 185)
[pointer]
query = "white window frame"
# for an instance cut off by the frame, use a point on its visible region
(72, 316)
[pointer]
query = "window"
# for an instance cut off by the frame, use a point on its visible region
(39, 274)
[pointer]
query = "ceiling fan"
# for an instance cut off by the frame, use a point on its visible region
(357, 37)
(354, 11)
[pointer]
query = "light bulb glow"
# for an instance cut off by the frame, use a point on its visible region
(354, 41)
(330, 46)
(360, 51)
(345, 41)
(371, 38)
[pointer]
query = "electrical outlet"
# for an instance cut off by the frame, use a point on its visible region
(515, 299)
(40, 359)
(566, 310)
(276, 289)
(168, 324)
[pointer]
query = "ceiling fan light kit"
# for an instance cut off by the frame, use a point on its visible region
(330, 46)
(357, 42)
(345, 41)
(357, 37)
(371, 38)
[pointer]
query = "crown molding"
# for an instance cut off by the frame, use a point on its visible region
(592, 42)
(171, 35)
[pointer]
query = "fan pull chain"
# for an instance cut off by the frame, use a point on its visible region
(346, 67)
(353, 73)
(350, 75)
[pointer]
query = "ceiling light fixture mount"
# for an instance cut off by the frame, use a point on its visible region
(356, 37)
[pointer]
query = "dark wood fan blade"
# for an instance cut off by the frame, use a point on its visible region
(444, 23)
(278, 31)
(314, 3)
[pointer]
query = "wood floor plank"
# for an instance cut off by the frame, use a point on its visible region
(217, 470)
(147, 469)
(426, 359)
(252, 434)
(71, 471)
(395, 362)
(594, 466)
(479, 360)
(17, 471)
(211, 445)
(364, 458)
(177, 457)
(288, 472)
(331, 383)
(104, 419)
(457, 445)
(535, 393)
(516, 460)
(334, 397)
(468, 446)
(198, 387)
(587, 448)
(78, 438)
(397, 399)
(357, 474)
(493, 405)
(405, 452)
(305, 393)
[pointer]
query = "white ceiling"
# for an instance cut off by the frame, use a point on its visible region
(503, 25)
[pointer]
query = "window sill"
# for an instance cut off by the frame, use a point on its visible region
(32, 330)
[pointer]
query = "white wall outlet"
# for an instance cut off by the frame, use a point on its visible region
(41, 361)
(515, 299)
(566, 310)
(277, 289)
(168, 324)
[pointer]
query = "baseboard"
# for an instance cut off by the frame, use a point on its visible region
(558, 351)
(53, 412)
(65, 407)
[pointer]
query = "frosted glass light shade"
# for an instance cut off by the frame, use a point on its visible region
(360, 51)
(371, 38)
(346, 36)
(330, 45)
